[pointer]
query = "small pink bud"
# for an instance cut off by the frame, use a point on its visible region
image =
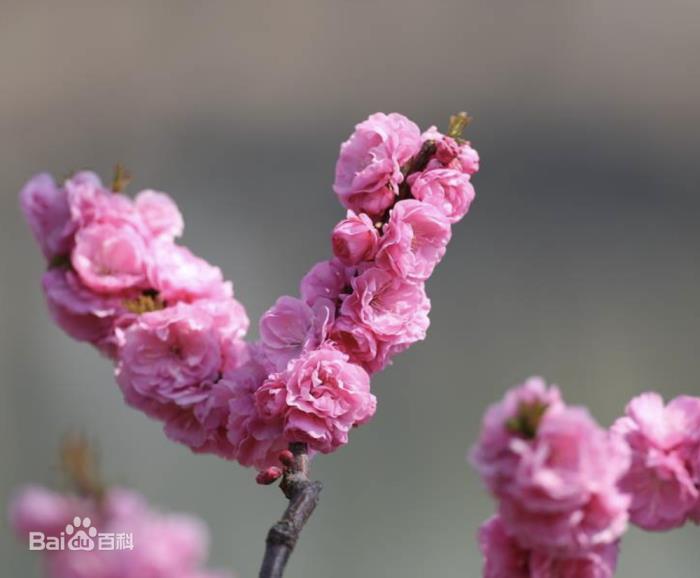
(268, 476)
(287, 458)
(355, 239)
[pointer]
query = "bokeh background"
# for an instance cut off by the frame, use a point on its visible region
(578, 261)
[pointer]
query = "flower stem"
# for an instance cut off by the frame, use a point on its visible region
(303, 496)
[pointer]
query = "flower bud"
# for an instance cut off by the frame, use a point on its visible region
(268, 476)
(355, 239)
(286, 458)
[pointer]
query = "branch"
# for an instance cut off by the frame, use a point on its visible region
(303, 496)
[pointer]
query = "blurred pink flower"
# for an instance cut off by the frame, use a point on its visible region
(505, 558)
(368, 171)
(179, 275)
(554, 471)
(82, 314)
(110, 258)
(355, 239)
(45, 206)
(160, 214)
(162, 545)
(449, 190)
(660, 480)
(414, 240)
(516, 416)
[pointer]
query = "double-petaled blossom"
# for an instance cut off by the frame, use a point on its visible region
(159, 214)
(414, 241)
(663, 478)
(45, 206)
(321, 396)
(161, 545)
(291, 327)
(254, 432)
(556, 476)
(504, 557)
(449, 190)
(368, 172)
(392, 308)
(355, 239)
(81, 313)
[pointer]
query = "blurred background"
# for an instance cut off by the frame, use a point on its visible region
(578, 260)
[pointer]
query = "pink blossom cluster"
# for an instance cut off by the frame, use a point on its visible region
(118, 280)
(556, 476)
(403, 191)
(664, 476)
(160, 545)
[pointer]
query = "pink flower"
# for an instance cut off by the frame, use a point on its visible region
(90, 202)
(555, 472)
(355, 239)
(568, 532)
(326, 280)
(36, 509)
(355, 340)
(414, 240)
(257, 439)
(110, 258)
(160, 214)
(517, 415)
(361, 346)
(325, 397)
(452, 154)
(503, 557)
(45, 206)
(287, 329)
(179, 275)
(368, 172)
(660, 480)
(449, 190)
(392, 308)
(164, 545)
(468, 159)
(168, 356)
(82, 314)
(599, 562)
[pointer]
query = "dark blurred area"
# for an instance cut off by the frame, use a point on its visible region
(578, 260)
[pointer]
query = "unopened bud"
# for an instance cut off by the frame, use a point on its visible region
(286, 458)
(268, 476)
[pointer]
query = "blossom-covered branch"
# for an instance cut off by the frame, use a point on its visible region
(118, 279)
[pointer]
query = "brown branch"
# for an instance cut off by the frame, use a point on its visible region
(303, 496)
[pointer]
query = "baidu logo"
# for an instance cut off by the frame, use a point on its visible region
(81, 535)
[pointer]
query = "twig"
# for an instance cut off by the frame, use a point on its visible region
(303, 496)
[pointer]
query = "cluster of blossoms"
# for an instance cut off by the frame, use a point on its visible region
(118, 280)
(556, 476)
(169, 320)
(161, 545)
(664, 477)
